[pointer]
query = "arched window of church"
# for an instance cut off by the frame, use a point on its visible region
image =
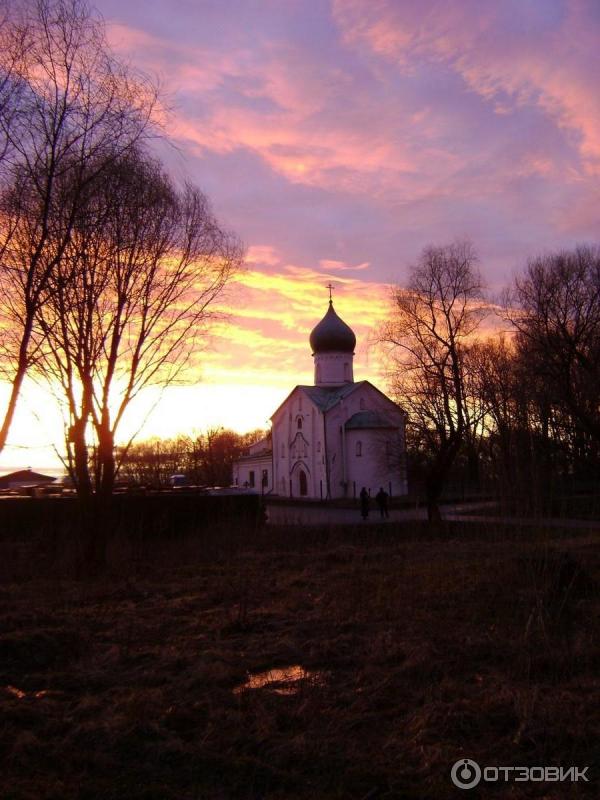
(299, 423)
(359, 448)
(362, 403)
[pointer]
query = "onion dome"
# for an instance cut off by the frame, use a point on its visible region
(332, 335)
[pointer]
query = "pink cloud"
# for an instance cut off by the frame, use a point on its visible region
(544, 68)
(297, 137)
(328, 265)
(262, 254)
(434, 119)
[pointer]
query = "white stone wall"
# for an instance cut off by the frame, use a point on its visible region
(242, 470)
(298, 447)
(373, 462)
(376, 466)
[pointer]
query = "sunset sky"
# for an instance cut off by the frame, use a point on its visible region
(338, 138)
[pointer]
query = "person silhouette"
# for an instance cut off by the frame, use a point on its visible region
(381, 498)
(364, 502)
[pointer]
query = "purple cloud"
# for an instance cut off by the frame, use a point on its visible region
(361, 130)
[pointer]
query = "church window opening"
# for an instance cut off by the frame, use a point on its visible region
(251, 478)
(303, 483)
(359, 448)
(299, 423)
(265, 478)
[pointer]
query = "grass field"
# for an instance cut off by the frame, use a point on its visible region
(401, 651)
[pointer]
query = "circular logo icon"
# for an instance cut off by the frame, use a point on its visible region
(466, 773)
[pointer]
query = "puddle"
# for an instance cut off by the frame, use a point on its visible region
(284, 680)
(20, 694)
(15, 692)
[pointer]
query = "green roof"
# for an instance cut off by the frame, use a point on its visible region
(327, 397)
(368, 419)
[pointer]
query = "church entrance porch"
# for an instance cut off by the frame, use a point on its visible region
(299, 481)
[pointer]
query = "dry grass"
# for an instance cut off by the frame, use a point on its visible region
(426, 648)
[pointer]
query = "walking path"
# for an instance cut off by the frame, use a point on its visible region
(308, 514)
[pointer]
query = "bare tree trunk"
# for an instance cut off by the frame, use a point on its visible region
(472, 466)
(433, 491)
(15, 390)
(437, 475)
(80, 452)
(106, 460)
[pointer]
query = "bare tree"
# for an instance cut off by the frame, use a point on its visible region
(152, 462)
(555, 308)
(206, 459)
(130, 301)
(533, 446)
(425, 339)
(13, 46)
(69, 109)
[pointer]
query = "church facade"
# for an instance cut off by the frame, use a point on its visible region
(330, 439)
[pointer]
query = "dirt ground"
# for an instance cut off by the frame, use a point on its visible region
(400, 650)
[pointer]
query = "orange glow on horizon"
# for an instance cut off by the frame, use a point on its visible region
(243, 372)
(241, 375)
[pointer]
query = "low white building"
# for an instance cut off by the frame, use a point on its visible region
(332, 439)
(255, 470)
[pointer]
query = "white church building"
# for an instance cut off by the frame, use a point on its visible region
(331, 439)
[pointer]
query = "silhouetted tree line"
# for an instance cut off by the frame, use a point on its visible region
(205, 460)
(515, 414)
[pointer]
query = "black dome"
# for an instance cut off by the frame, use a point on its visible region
(332, 334)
